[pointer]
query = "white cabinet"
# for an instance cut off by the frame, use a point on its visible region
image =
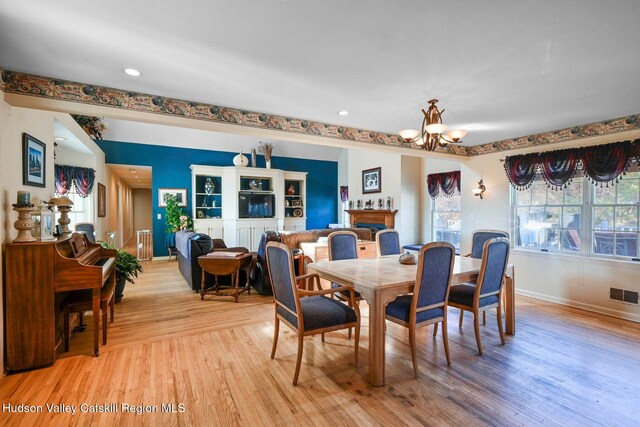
(238, 204)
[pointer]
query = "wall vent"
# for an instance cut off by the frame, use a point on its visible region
(623, 295)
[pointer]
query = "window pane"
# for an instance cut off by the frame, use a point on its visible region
(626, 218)
(573, 192)
(571, 218)
(603, 218)
(554, 197)
(604, 195)
(524, 197)
(553, 238)
(538, 193)
(571, 240)
(553, 216)
(628, 190)
(627, 244)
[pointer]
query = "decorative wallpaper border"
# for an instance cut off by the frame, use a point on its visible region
(64, 90)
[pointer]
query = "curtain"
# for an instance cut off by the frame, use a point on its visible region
(81, 178)
(447, 182)
(601, 163)
(558, 167)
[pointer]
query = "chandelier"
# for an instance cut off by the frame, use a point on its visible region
(433, 130)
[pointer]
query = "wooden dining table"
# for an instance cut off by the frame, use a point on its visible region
(380, 280)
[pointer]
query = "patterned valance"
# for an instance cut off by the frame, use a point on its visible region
(445, 183)
(81, 178)
(601, 164)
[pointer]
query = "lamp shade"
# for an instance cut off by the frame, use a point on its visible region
(408, 134)
(456, 134)
(61, 201)
(435, 128)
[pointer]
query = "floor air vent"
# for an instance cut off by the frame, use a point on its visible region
(623, 295)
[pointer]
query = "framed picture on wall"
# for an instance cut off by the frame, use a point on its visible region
(102, 200)
(372, 180)
(34, 161)
(180, 193)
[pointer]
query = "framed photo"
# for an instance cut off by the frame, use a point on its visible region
(372, 181)
(296, 203)
(34, 161)
(102, 201)
(180, 193)
(46, 225)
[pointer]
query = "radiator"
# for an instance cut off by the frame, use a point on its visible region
(145, 245)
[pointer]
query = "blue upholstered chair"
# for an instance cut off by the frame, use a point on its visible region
(343, 245)
(88, 228)
(306, 312)
(479, 238)
(388, 242)
(486, 293)
(428, 304)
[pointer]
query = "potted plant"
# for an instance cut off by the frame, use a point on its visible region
(127, 268)
(175, 220)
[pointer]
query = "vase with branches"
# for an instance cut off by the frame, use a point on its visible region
(93, 126)
(266, 148)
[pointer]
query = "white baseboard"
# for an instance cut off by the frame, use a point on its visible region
(161, 258)
(588, 307)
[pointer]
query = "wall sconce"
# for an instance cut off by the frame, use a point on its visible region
(478, 191)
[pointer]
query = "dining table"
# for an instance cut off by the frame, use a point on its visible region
(380, 280)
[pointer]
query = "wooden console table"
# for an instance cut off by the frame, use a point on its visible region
(372, 216)
(222, 264)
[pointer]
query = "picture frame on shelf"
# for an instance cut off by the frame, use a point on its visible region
(102, 201)
(372, 180)
(46, 225)
(34, 161)
(179, 193)
(296, 203)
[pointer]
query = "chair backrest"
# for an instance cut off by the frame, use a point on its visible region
(342, 245)
(480, 237)
(283, 282)
(388, 242)
(433, 277)
(495, 256)
(88, 228)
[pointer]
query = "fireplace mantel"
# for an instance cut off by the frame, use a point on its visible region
(372, 216)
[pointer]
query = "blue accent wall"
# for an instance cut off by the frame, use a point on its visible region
(170, 169)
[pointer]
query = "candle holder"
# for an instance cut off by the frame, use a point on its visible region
(24, 224)
(64, 220)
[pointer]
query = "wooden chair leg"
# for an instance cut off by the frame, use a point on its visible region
(323, 336)
(350, 305)
(112, 306)
(299, 360)
(67, 329)
(435, 329)
(499, 316)
(357, 341)
(275, 338)
(81, 319)
(445, 340)
(414, 355)
(484, 317)
(461, 316)
(476, 326)
(103, 309)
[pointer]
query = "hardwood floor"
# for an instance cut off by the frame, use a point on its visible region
(564, 367)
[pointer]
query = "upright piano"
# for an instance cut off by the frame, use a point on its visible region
(38, 277)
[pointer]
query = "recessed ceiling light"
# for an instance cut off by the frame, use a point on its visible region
(59, 138)
(132, 170)
(132, 72)
(343, 112)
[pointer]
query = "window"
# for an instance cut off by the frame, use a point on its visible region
(445, 219)
(581, 218)
(82, 209)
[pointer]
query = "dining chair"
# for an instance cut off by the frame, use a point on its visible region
(306, 312)
(343, 245)
(486, 293)
(428, 304)
(478, 239)
(89, 229)
(388, 242)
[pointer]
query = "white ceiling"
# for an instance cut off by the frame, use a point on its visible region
(134, 176)
(501, 69)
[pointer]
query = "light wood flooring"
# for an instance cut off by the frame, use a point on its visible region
(564, 367)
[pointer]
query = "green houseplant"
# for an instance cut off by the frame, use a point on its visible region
(127, 268)
(174, 217)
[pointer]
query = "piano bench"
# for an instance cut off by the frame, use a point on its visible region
(81, 301)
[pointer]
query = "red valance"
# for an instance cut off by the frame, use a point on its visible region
(601, 164)
(446, 183)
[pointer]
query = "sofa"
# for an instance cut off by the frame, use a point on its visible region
(190, 246)
(261, 280)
